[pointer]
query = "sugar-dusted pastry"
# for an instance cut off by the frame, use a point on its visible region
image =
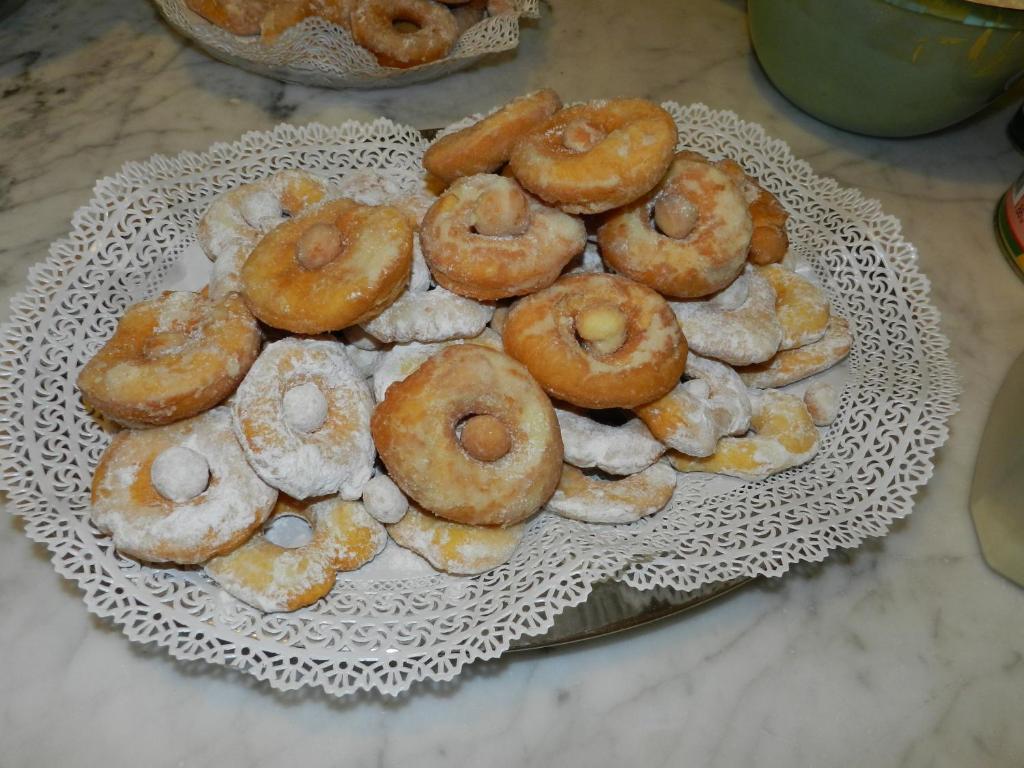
(384, 500)
(593, 499)
(239, 17)
(285, 14)
(373, 27)
(429, 316)
(801, 306)
(822, 401)
(769, 241)
(795, 364)
(618, 449)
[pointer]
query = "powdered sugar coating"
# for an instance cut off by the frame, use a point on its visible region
(338, 457)
(305, 407)
(383, 500)
(618, 450)
(434, 315)
(591, 499)
(180, 474)
(822, 401)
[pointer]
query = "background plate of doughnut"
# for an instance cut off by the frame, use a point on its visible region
(350, 43)
(300, 407)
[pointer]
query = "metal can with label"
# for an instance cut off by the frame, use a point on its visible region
(1010, 225)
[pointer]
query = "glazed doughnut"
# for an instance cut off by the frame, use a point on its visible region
(592, 499)
(784, 436)
(302, 416)
(373, 27)
(693, 416)
(768, 242)
(170, 358)
(598, 341)
(429, 316)
(594, 157)
(354, 259)
(287, 13)
(749, 333)
(618, 450)
(420, 429)
(801, 306)
(270, 577)
(486, 239)
(487, 145)
(687, 238)
(822, 403)
(794, 364)
(456, 547)
(383, 500)
(239, 17)
(237, 219)
(180, 493)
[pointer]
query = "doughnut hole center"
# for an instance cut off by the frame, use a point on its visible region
(675, 215)
(163, 344)
(180, 474)
(501, 210)
(318, 246)
(602, 328)
(581, 136)
(304, 407)
(484, 437)
(405, 26)
(288, 531)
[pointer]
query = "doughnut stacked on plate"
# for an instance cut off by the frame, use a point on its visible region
(473, 342)
(399, 33)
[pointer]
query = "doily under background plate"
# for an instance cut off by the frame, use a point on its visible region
(316, 52)
(397, 622)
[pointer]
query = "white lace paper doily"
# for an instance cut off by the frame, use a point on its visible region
(316, 52)
(396, 622)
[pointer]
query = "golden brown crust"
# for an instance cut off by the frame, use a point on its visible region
(373, 28)
(792, 365)
(593, 499)
(415, 429)
(170, 358)
(366, 277)
(801, 306)
(768, 242)
(285, 14)
(239, 17)
(487, 145)
(541, 332)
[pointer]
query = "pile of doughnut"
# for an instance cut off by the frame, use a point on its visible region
(399, 33)
(565, 314)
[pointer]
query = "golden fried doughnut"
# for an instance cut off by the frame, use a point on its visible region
(417, 429)
(794, 364)
(239, 17)
(822, 403)
(335, 265)
(456, 547)
(486, 239)
(592, 499)
(737, 334)
(170, 358)
(302, 416)
(487, 145)
(801, 306)
(237, 219)
(784, 436)
(180, 493)
(618, 449)
(373, 27)
(285, 14)
(271, 577)
(713, 402)
(619, 151)
(598, 341)
(768, 242)
(687, 238)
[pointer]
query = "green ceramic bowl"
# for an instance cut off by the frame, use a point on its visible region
(888, 67)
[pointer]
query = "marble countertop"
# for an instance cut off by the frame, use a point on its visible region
(907, 651)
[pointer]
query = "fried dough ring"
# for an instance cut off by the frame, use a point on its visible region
(795, 364)
(487, 145)
(631, 142)
(591, 499)
(373, 28)
(365, 271)
(801, 306)
(170, 358)
(618, 450)
(769, 241)
(416, 432)
(239, 17)
(456, 547)
(543, 332)
(334, 456)
(275, 578)
(429, 316)
(694, 261)
(784, 436)
(286, 14)
(145, 524)
(508, 263)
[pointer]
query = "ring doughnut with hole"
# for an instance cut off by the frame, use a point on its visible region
(374, 27)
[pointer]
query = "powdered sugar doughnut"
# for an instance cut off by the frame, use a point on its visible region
(692, 417)
(373, 28)
(801, 306)
(334, 457)
(784, 436)
(768, 242)
(383, 500)
(434, 315)
(592, 499)
(748, 334)
(237, 219)
(618, 450)
(456, 547)
(794, 364)
(275, 578)
(146, 524)
(822, 401)
(374, 187)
